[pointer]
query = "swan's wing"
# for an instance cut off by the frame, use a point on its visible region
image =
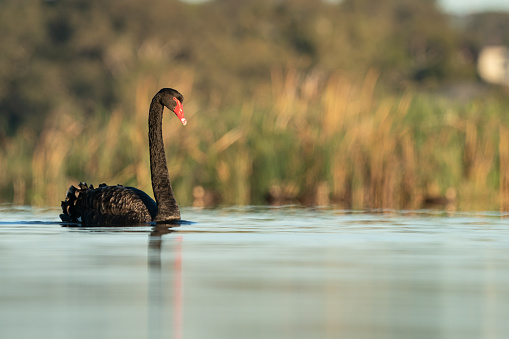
(107, 206)
(146, 199)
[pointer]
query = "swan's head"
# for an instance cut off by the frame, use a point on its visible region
(172, 99)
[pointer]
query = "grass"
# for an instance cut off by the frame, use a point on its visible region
(306, 137)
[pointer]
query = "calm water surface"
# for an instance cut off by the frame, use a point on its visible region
(257, 273)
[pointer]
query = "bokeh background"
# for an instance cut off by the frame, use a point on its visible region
(353, 103)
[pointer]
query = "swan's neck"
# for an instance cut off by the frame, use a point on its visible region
(167, 208)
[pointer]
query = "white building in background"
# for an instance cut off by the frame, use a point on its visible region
(493, 65)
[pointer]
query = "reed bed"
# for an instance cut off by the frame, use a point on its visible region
(306, 138)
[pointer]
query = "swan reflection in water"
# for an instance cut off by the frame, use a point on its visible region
(164, 285)
(158, 284)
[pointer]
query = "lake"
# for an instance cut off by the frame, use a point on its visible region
(257, 272)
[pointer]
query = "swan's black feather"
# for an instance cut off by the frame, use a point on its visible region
(108, 206)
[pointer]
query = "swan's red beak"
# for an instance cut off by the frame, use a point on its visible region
(179, 111)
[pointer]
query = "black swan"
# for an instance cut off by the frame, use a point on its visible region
(121, 206)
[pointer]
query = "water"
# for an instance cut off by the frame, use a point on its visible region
(257, 273)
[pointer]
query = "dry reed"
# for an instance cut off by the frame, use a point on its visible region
(314, 139)
(504, 168)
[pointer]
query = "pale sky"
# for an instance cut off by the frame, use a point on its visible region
(456, 6)
(469, 6)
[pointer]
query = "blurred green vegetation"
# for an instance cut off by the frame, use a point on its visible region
(362, 103)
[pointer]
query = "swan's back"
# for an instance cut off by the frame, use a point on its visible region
(107, 206)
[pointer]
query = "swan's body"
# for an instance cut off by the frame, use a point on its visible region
(119, 205)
